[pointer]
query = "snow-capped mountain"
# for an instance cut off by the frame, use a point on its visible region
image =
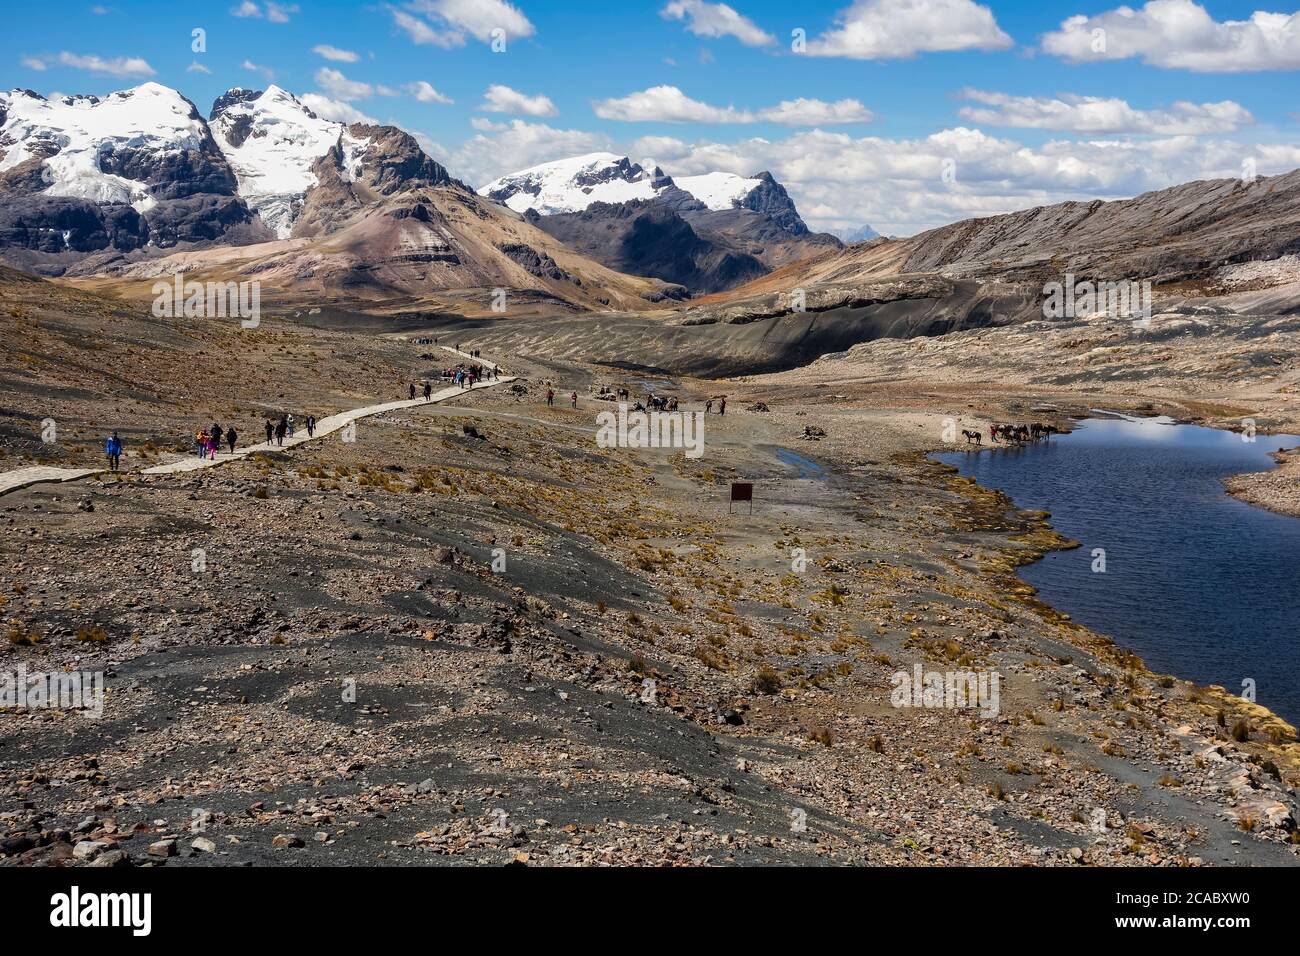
(138, 184)
(571, 185)
(143, 170)
(96, 149)
(80, 174)
(574, 184)
(273, 142)
(863, 233)
(708, 232)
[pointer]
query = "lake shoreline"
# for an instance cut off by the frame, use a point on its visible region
(1047, 539)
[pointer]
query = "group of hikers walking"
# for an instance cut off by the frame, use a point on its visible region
(208, 440)
(277, 432)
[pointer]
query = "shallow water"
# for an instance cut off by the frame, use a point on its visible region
(1198, 584)
(806, 467)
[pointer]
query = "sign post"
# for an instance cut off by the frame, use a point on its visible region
(741, 491)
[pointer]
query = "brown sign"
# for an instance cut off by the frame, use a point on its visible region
(742, 491)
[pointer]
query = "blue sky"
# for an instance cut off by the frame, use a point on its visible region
(1032, 139)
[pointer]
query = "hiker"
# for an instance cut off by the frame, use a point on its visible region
(217, 435)
(212, 447)
(201, 442)
(550, 398)
(231, 438)
(270, 431)
(113, 449)
(708, 406)
(288, 424)
(573, 399)
(280, 428)
(722, 405)
(428, 391)
(412, 395)
(311, 426)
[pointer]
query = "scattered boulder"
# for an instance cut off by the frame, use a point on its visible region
(163, 848)
(112, 859)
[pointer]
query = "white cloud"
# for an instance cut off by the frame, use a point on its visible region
(1095, 114)
(1180, 34)
(456, 18)
(117, 66)
(668, 104)
(502, 99)
(33, 63)
(273, 12)
(806, 112)
(425, 93)
(897, 186)
(267, 73)
(279, 13)
(335, 111)
(423, 34)
(340, 87)
(505, 148)
(334, 53)
(840, 180)
(197, 67)
(716, 20)
(897, 29)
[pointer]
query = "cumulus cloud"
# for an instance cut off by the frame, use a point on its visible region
(897, 29)
(196, 67)
(1181, 34)
(274, 12)
(502, 99)
(668, 104)
(897, 185)
(340, 87)
(446, 23)
(806, 112)
(508, 147)
(334, 53)
(334, 110)
(716, 20)
(268, 74)
(122, 66)
(1096, 114)
(425, 93)
(34, 63)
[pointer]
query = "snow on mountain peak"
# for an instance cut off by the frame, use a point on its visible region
(272, 141)
(571, 185)
(718, 191)
(77, 136)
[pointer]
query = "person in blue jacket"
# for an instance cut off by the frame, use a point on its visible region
(113, 449)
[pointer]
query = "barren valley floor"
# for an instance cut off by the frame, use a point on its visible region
(648, 678)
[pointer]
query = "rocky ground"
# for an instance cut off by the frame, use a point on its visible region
(473, 636)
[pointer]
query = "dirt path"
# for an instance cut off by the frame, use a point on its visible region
(26, 477)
